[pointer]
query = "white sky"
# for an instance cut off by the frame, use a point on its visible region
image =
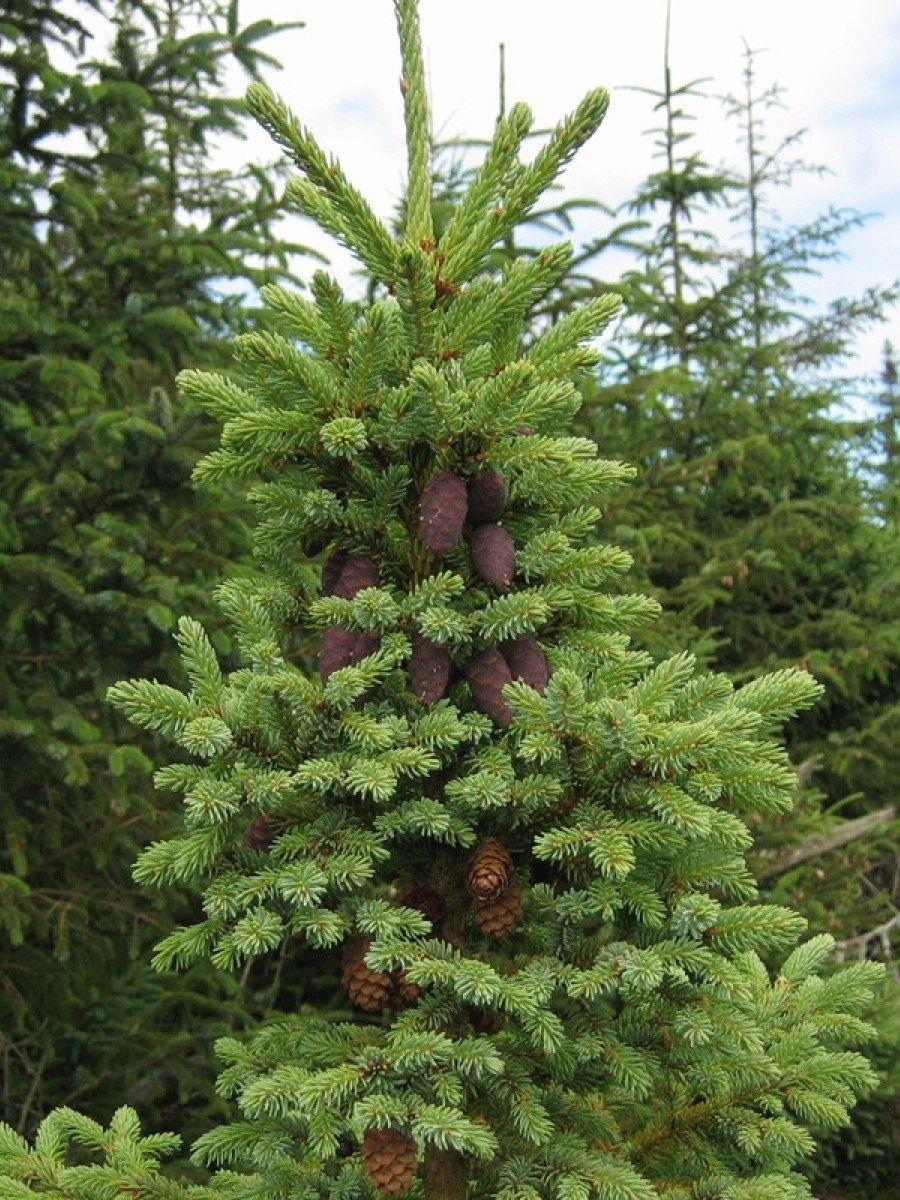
(839, 62)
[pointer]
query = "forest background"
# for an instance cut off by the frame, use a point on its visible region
(766, 521)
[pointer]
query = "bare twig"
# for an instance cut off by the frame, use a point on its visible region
(823, 843)
(861, 942)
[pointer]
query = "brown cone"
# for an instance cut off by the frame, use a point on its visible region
(499, 917)
(369, 990)
(429, 669)
(490, 870)
(429, 903)
(389, 1157)
(488, 674)
(527, 661)
(331, 570)
(357, 573)
(443, 512)
(259, 834)
(493, 555)
(487, 496)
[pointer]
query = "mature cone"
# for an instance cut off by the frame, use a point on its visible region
(443, 512)
(357, 573)
(331, 570)
(527, 661)
(369, 990)
(427, 901)
(488, 674)
(487, 496)
(405, 992)
(490, 870)
(429, 669)
(389, 1157)
(499, 917)
(493, 555)
(259, 834)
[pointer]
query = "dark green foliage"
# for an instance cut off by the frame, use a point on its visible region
(123, 258)
(758, 522)
(754, 522)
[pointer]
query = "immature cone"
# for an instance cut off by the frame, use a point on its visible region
(488, 674)
(369, 990)
(357, 573)
(331, 570)
(493, 555)
(499, 917)
(487, 496)
(429, 669)
(389, 1157)
(490, 870)
(366, 643)
(344, 648)
(442, 513)
(259, 834)
(336, 651)
(527, 661)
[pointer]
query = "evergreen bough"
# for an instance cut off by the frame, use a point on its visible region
(620, 1034)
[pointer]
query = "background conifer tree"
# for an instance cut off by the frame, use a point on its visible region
(522, 840)
(124, 256)
(755, 521)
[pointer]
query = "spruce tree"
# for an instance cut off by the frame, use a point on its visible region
(520, 840)
(887, 441)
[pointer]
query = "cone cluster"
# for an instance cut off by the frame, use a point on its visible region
(371, 991)
(446, 504)
(490, 670)
(495, 890)
(448, 501)
(389, 1157)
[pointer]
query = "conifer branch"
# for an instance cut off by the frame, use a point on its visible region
(419, 228)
